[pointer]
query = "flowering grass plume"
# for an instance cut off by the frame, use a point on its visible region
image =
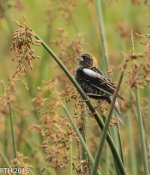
(22, 41)
(139, 73)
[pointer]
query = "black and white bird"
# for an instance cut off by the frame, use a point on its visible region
(94, 83)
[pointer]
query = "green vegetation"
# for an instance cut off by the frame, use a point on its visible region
(47, 123)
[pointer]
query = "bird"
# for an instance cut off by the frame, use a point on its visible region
(94, 83)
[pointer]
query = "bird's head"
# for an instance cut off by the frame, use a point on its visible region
(85, 60)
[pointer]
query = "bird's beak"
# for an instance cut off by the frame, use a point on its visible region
(79, 58)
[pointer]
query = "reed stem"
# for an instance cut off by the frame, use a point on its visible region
(142, 133)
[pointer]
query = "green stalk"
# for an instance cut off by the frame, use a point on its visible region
(70, 157)
(6, 133)
(80, 136)
(119, 143)
(104, 133)
(12, 130)
(117, 170)
(88, 103)
(107, 161)
(103, 36)
(5, 159)
(83, 133)
(132, 147)
(142, 133)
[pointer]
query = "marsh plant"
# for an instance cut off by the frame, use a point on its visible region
(47, 123)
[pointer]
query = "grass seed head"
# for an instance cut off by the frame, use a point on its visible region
(22, 42)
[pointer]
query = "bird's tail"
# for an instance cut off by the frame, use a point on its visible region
(118, 113)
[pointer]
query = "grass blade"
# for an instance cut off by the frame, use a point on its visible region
(12, 130)
(102, 34)
(5, 159)
(132, 147)
(142, 133)
(83, 133)
(70, 157)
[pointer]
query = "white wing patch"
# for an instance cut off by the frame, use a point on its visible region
(91, 73)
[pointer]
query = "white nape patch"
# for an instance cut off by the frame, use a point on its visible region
(91, 73)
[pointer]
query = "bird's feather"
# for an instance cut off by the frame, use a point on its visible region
(98, 80)
(92, 73)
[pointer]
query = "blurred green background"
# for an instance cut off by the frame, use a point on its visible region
(76, 23)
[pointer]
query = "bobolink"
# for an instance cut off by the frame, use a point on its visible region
(93, 81)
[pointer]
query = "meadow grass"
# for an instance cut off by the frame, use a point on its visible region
(47, 122)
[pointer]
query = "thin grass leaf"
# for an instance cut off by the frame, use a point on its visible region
(12, 130)
(142, 133)
(103, 36)
(6, 133)
(83, 152)
(132, 147)
(5, 159)
(107, 161)
(120, 143)
(70, 157)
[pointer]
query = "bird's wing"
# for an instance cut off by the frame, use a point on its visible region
(97, 79)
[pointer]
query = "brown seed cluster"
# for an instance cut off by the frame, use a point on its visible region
(55, 128)
(138, 2)
(79, 166)
(78, 107)
(8, 95)
(135, 2)
(50, 14)
(45, 97)
(103, 109)
(57, 133)
(67, 9)
(139, 73)
(22, 42)
(6, 5)
(21, 163)
(123, 30)
(69, 47)
(18, 5)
